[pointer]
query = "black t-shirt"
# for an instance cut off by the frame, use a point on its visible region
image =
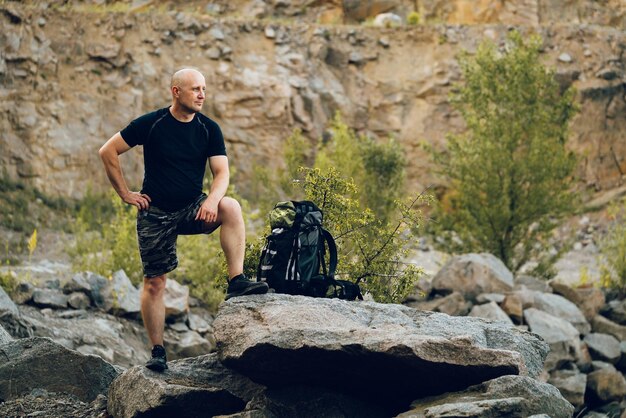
(175, 155)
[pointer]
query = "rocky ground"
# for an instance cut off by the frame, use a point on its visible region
(45, 404)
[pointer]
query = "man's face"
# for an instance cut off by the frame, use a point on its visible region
(191, 92)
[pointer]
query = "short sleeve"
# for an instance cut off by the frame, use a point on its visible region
(216, 140)
(137, 131)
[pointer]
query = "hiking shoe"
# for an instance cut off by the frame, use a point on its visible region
(158, 362)
(240, 285)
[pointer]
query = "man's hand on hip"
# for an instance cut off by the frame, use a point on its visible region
(207, 212)
(139, 200)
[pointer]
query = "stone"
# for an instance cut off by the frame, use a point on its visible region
(532, 283)
(452, 304)
(36, 362)
(565, 57)
(78, 283)
(491, 311)
(387, 20)
(621, 364)
(270, 32)
(193, 387)
(512, 306)
(505, 396)
(187, 344)
(603, 347)
(358, 11)
(589, 299)
(473, 274)
(560, 307)
(5, 337)
(605, 385)
(49, 298)
(572, 386)
(563, 338)
(490, 297)
(176, 300)
(7, 305)
(121, 297)
(282, 339)
(200, 321)
(23, 293)
(97, 285)
(78, 300)
(615, 310)
(105, 353)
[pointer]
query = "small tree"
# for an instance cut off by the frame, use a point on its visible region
(510, 173)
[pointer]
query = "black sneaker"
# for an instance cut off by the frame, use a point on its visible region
(158, 362)
(240, 285)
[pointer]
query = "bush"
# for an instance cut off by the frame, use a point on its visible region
(413, 19)
(613, 248)
(510, 174)
(356, 181)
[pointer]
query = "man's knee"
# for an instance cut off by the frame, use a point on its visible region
(154, 286)
(230, 207)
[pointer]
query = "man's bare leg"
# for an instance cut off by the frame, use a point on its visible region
(232, 235)
(233, 241)
(153, 308)
(153, 314)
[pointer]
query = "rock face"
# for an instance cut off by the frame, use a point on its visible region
(506, 396)
(31, 363)
(368, 348)
(194, 387)
(272, 79)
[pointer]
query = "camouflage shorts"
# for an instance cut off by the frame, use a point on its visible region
(157, 231)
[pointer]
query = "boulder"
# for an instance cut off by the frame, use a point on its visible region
(357, 11)
(473, 274)
(605, 385)
(193, 387)
(490, 297)
(603, 347)
(560, 307)
(176, 300)
(512, 306)
(606, 326)
(366, 348)
(572, 385)
(78, 300)
(200, 321)
(36, 362)
(621, 364)
(6, 304)
(5, 337)
(615, 310)
(120, 296)
(563, 338)
(506, 396)
(532, 283)
(589, 299)
(97, 286)
(49, 298)
(79, 283)
(452, 304)
(187, 344)
(23, 293)
(491, 311)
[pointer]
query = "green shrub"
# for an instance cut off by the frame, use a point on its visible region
(613, 248)
(510, 174)
(356, 181)
(414, 18)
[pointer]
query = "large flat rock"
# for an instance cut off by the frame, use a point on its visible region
(193, 387)
(506, 396)
(368, 348)
(40, 363)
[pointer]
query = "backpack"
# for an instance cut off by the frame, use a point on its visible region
(293, 259)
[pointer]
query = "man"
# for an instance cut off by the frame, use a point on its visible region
(178, 141)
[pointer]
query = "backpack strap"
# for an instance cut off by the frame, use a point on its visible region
(332, 251)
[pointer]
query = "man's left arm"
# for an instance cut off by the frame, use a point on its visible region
(221, 178)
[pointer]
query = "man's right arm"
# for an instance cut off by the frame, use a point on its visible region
(109, 153)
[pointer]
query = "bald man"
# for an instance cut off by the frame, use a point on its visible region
(178, 141)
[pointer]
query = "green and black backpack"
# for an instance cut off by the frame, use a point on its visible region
(293, 259)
